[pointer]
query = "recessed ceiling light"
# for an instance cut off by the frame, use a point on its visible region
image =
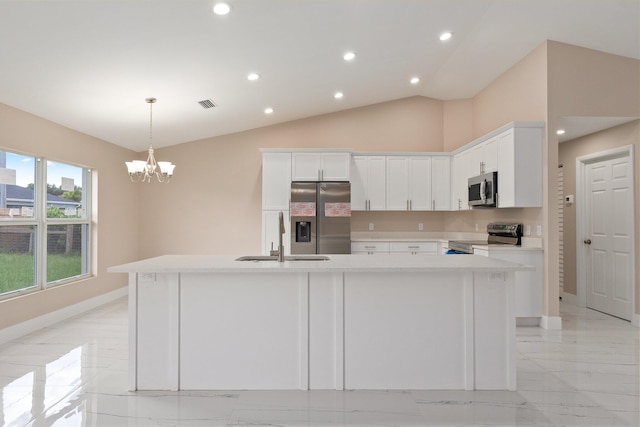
(338, 95)
(445, 36)
(268, 110)
(253, 76)
(221, 8)
(349, 56)
(560, 131)
(414, 80)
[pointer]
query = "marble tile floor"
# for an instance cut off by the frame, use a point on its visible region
(75, 374)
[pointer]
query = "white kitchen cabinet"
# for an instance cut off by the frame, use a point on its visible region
(528, 284)
(409, 183)
(377, 247)
(276, 181)
(441, 183)
(370, 248)
(368, 183)
(484, 157)
(520, 167)
(459, 185)
(414, 248)
(271, 230)
(320, 166)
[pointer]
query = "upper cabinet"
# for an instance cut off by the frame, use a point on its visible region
(419, 183)
(416, 181)
(484, 157)
(520, 167)
(409, 183)
(368, 183)
(320, 166)
(460, 171)
(515, 152)
(441, 183)
(276, 180)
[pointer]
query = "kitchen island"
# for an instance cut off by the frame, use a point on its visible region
(352, 322)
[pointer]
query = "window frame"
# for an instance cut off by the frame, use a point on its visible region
(41, 223)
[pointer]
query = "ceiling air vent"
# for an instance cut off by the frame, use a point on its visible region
(207, 103)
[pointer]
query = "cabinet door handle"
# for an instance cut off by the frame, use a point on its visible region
(587, 241)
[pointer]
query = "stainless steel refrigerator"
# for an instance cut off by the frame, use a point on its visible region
(320, 218)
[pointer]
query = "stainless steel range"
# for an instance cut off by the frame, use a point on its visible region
(499, 234)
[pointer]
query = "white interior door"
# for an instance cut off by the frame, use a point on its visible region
(608, 237)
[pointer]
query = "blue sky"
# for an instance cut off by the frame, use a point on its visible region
(25, 170)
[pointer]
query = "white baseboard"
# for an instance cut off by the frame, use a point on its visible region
(32, 325)
(551, 322)
(569, 298)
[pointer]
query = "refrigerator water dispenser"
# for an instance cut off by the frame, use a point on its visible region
(303, 231)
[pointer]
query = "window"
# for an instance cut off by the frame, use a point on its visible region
(44, 222)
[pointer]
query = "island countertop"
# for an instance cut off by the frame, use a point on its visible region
(396, 321)
(336, 263)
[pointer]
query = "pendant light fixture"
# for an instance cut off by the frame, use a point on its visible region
(140, 171)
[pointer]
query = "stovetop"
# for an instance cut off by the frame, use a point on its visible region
(499, 234)
(465, 246)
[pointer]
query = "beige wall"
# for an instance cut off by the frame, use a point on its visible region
(619, 136)
(585, 82)
(213, 205)
(458, 123)
(117, 214)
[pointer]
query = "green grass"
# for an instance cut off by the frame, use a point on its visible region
(17, 270)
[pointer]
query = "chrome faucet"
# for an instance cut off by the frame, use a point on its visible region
(280, 234)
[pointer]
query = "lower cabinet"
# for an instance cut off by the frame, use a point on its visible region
(370, 248)
(378, 247)
(414, 248)
(529, 284)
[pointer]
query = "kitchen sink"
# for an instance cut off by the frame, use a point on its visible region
(256, 258)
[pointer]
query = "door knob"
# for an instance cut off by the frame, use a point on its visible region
(587, 241)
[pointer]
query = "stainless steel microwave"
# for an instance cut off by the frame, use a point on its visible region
(483, 190)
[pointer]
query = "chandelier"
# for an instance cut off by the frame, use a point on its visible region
(140, 171)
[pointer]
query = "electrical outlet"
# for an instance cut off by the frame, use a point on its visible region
(370, 226)
(420, 226)
(146, 277)
(527, 230)
(538, 230)
(477, 227)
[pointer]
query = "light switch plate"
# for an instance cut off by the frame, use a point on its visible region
(538, 230)
(420, 226)
(527, 230)
(370, 226)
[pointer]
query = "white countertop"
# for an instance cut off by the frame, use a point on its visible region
(337, 263)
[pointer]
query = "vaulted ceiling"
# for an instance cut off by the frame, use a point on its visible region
(90, 64)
